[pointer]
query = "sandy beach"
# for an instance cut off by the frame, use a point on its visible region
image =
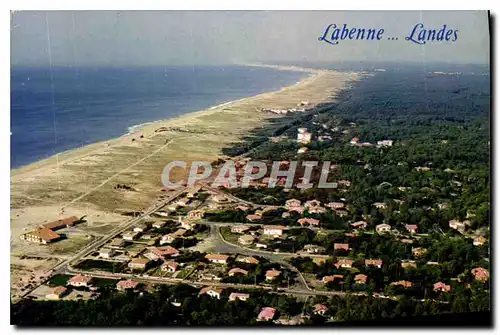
(82, 181)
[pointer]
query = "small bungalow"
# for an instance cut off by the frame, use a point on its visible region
(217, 258)
(57, 293)
(238, 296)
(237, 271)
(80, 281)
(272, 274)
(266, 314)
(124, 285)
(211, 291)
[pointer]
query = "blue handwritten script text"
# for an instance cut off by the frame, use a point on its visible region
(334, 34)
(420, 35)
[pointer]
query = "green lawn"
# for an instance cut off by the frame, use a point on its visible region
(93, 264)
(104, 282)
(59, 280)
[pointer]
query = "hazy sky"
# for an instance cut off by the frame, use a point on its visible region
(211, 37)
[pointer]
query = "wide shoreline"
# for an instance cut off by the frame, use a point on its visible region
(138, 128)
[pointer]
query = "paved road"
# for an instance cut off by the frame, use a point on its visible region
(60, 268)
(63, 267)
(228, 224)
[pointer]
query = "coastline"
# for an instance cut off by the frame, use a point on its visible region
(138, 128)
(319, 86)
(81, 182)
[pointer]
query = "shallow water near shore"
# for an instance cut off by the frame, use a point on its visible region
(67, 108)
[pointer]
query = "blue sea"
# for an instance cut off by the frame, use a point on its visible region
(65, 108)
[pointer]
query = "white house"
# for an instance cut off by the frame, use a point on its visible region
(385, 143)
(211, 291)
(106, 253)
(274, 230)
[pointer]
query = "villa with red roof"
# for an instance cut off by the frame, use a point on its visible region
(170, 266)
(211, 291)
(440, 286)
(123, 285)
(344, 263)
(308, 221)
(266, 314)
(164, 252)
(328, 279)
(237, 271)
(217, 258)
(481, 274)
(374, 262)
(272, 274)
(383, 228)
(238, 296)
(80, 281)
(341, 246)
(360, 279)
(319, 309)
(412, 228)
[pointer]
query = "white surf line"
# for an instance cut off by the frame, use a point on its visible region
(116, 174)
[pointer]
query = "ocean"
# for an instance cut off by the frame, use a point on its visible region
(66, 108)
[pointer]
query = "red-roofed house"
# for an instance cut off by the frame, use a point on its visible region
(412, 228)
(123, 285)
(359, 224)
(292, 203)
(237, 271)
(344, 263)
(138, 263)
(373, 262)
(308, 221)
(57, 293)
(440, 286)
(211, 291)
(272, 274)
(266, 314)
(481, 274)
(217, 258)
(360, 279)
(170, 266)
(239, 229)
(80, 281)
(312, 203)
(238, 296)
(335, 205)
(403, 283)
(341, 246)
(254, 217)
(248, 259)
(383, 228)
(319, 309)
(197, 214)
(164, 252)
(42, 236)
(63, 223)
(328, 279)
